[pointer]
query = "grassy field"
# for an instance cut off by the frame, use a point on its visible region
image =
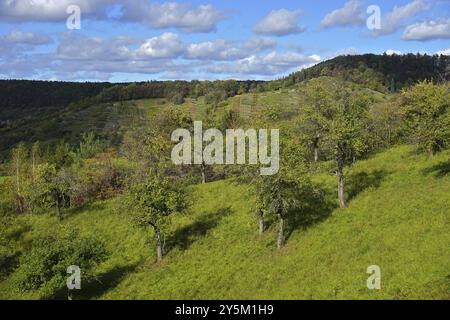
(397, 220)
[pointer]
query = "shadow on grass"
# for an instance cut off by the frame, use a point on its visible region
(93, 206)
(8, 263)
(439, 170)
(317, 205)
(361, 181)
(94, 288)
(17, 234)
(185, 236)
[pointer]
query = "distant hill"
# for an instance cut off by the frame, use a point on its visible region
(51, 110)
(391, 72)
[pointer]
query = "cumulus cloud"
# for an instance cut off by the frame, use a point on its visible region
(174, 15)
(47, 10)
(350, 15)
(260, 44)
(81, 57)
(93, 48)
(280, 23)
(203, 18)
(21, 37)
(273, 63)
(214, 50)
(428, 30)
(184, 17)
(167, 45)
(395, 19)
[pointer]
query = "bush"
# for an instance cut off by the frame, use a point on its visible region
(43, 269)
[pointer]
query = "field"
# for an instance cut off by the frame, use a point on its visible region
(397, 218)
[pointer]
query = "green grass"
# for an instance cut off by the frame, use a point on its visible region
(397, 218)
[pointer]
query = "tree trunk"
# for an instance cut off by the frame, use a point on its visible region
(58, 210)
(159, 252)
(280, 240)
(430, 151)
(340, 175)
(203, 173)
(316, 149)
(69, 294)
(261, 221)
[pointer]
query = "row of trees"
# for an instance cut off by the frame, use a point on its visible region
(341, 123)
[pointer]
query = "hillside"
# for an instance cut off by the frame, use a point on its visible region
(53, 110)
(397, 218)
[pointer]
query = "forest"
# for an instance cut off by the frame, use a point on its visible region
(87, 179)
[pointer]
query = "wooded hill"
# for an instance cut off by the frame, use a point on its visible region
(39, 110)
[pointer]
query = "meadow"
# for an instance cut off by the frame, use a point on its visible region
(397, 218)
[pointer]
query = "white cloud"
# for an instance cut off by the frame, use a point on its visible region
(444, 52)
(21, 37)
(390, 52)
(260, 44)
(351, 14)
(167, 45)
(93, 48)
(428, 30)
(273, 63)
(280, 23)
(203, 18)
(214, 50)
(200, 19)
(47, 10)
(395, 19)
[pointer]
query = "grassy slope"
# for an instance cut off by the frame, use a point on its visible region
(399, 222)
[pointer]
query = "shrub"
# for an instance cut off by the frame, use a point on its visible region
(43, 269)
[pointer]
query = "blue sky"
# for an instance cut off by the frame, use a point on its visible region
(136, 40)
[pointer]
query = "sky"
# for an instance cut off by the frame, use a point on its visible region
(140, 40)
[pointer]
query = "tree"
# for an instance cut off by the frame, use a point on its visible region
(153, 202)
(19, 170)
(63, 155)
(35, 158)
(345, 132)
(336, 115)
(313, 121)
(43, 269)
(89, 146)
(54, 184)
(284, 193)
(426, 110)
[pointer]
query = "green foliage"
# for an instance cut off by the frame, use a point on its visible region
(215, 252)
(155, 200)
(384, 125)
(377, 71)
(426, 108)
(89, 146)
(63, 155)
(43, 269)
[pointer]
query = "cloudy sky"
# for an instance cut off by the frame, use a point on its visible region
(134, 40)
